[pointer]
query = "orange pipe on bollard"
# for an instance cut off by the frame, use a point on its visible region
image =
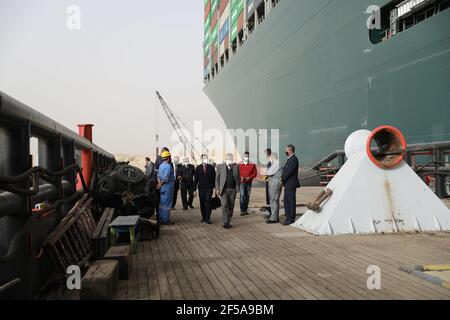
(391, 144)
(85, 130)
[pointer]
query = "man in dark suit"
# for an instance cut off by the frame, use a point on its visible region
(291, 183)
(268, 153)
(205, 180)
(228, 181)
(176, 167)
(186, 174)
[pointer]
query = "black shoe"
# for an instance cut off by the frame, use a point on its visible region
(287, 223)
(203, 220)
(185, 209)
(192, 207)
(208, 222)
(268, 216)
(243, 213)
(268, 221)
(225, 226)
(170, 223)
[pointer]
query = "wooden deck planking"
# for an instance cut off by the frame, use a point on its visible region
(270, 262)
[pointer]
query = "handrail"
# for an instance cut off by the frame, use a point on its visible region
(53, 182)
(437, 168)
(15, 112)
(328, 158)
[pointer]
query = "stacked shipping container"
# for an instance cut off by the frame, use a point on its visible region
(237, 18)
(214, 32)
(224, 13)
(207, 39)
(224, 22)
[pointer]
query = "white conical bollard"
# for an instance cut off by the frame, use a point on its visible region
(377, 192)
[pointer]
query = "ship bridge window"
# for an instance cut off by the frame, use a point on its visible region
(234, 46)
(227, 55)
(400, 15)
(261, 11)
(241, 37)
(444, 5)
(251, 24)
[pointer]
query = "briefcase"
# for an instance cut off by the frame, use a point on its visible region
(216, 203)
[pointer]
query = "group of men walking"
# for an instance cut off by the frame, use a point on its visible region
(224, 182)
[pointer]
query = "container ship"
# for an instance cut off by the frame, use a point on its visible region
(318, 70)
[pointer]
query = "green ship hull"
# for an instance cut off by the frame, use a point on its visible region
(311, 71)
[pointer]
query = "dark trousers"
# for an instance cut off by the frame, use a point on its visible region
(245, 191)
(186, 190)
(205, 197)
(290, 204)
(175, 193)
(268, 197)
(228, 201)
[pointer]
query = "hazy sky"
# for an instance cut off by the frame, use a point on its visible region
(106, 72)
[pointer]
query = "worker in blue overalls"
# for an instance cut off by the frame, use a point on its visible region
(166, 184)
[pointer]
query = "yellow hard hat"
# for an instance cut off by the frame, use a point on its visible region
(165, 154)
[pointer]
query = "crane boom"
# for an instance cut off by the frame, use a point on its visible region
(188, 146)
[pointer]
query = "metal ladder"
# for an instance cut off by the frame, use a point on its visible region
(70, 243)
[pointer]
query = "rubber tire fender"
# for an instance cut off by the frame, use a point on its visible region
(130, 174)
(105, 188)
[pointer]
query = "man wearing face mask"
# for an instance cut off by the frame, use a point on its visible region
(186, 174)
(227, 186)
(205, 180)
(291, 183)
(248, 173)
(176, 167)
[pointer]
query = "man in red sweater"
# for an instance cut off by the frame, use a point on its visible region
(248, 173)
